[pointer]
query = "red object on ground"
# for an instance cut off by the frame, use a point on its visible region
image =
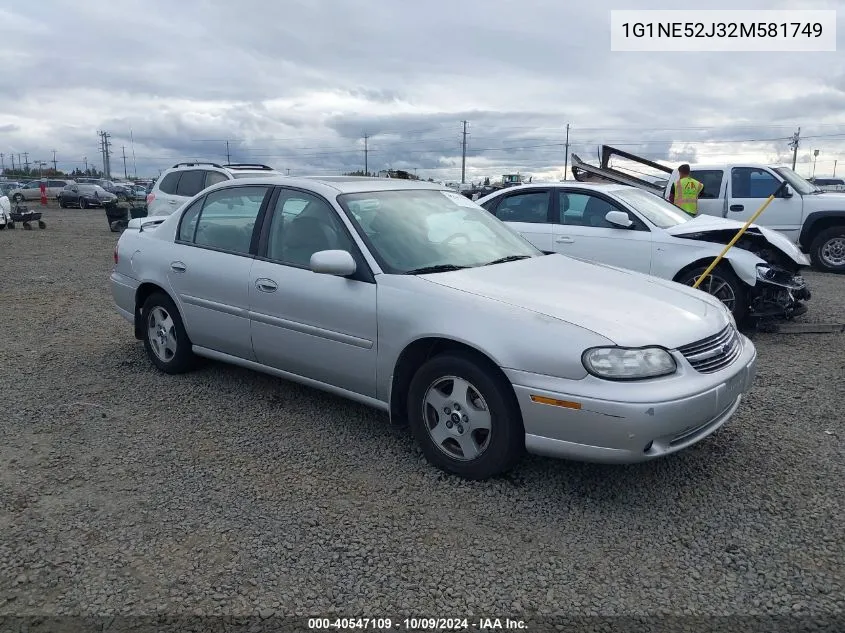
(44, 193)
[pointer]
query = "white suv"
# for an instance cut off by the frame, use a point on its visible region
(183, 181)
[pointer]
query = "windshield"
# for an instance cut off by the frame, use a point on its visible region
(661, 213)
(798, 183)
(411, 229)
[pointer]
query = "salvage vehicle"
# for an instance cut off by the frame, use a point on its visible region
(414, 300)
(627, 227)
(810, 217)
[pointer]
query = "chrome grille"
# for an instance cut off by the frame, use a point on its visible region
(714, 352)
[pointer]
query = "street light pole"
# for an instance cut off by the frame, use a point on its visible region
(815, 158)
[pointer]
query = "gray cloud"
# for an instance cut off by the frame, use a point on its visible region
(297, 83)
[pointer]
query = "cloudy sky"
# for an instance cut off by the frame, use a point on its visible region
(297, 84)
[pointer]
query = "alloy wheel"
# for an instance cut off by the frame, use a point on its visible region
(457, 418)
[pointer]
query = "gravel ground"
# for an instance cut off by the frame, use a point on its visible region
(125, 491)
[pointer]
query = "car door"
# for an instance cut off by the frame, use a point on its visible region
(582, 231)
(210, 266)
(318, 326)
(528, 212)
(70, 195)
(749, 188)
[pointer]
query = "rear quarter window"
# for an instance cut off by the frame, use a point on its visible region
(712, 181)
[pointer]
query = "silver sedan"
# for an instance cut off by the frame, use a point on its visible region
(414, 300)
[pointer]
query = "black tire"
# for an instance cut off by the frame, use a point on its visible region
(183, 359)
(2, 227)
(722, 273)
(62, 204)
(502, 447)
(829, 245)
(18, 198)
(83, 203)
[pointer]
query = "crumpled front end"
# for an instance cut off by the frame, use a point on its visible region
(779, 293)
(780, 290)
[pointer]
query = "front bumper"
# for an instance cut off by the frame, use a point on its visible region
(638, 428)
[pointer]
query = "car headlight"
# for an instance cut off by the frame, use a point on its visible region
(622, 363)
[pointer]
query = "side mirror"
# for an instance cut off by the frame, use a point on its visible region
(338, 263)
(620, 219)
(787, 192)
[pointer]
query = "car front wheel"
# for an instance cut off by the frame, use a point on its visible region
(723, 284)
(465, 417)
(165, 339)
(828, 250)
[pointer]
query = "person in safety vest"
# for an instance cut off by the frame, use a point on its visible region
(685, 191)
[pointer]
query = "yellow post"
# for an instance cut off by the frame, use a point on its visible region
(736, 238)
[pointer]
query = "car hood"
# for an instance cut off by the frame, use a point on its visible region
(702, 224)
(628, 308)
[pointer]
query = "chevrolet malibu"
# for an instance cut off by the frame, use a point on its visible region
(412, 299)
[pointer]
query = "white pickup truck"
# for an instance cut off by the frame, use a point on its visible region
(810, 217)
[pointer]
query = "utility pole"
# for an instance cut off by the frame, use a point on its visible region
(85, 158)
(794, 146)
(228, 158)
(105, 144)
(125, 173)
(3, 164)
(287, 170)
(464, 154)
(54, 161)
(815, 158)
(366, 151)
(132, 143)
(12, 156)
(566, 155)
(20, 162)
(26, 160)
(834, 165)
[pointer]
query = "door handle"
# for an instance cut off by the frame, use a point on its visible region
(266, 285)
(178, 267)
(737, 207)
(564, 240)
(171, 201)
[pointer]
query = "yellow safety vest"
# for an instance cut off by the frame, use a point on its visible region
(686, 194)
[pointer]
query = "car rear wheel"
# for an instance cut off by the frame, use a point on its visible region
(165, 339)
(723, 284)
(83, 203)
(828, 250)
(465, 417)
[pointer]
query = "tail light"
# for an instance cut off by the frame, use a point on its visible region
(115, 255)
(150, 198)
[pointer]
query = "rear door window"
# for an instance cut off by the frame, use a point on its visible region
(170, 182)
(191, 183)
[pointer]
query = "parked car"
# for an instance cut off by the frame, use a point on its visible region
(183, 181)
(32, 190)
(122, 192)
(7, 188)
(634, 229)
(829, 184)
(84, 196)
(414, 300)
(139, 192)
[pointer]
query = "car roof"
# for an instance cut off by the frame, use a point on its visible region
(334, 185)
(591, 186)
